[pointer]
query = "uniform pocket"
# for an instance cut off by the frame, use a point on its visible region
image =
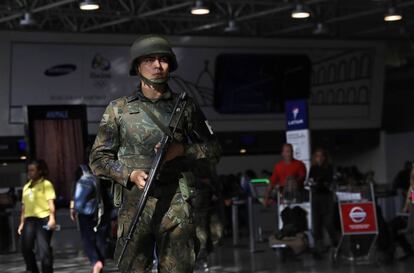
(178, 213)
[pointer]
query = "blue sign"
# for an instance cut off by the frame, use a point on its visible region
(296, 115)
(57, 115)
(22, 145)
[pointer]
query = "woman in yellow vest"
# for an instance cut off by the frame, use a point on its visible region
(37, 220)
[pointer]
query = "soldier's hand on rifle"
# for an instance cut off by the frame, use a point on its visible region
(139, 178)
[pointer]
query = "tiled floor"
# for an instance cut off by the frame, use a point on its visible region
(226, 259)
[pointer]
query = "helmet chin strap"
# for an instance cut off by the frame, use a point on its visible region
(157, 83)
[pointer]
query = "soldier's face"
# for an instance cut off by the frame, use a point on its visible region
(154, 67)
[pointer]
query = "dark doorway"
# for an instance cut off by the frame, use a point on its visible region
(58, 134)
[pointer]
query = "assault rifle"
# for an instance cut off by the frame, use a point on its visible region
(156, 164)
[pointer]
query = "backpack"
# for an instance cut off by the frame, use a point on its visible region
(86, 197)
(294, 222)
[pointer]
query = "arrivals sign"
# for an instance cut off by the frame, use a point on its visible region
(358, 218)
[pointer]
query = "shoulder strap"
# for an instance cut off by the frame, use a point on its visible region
(84, 168)
(156, 120)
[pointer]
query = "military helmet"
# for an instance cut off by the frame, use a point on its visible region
(148, 45)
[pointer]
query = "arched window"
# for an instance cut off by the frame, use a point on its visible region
(330, 97)
(353, 69)
(333, 73)
(351, 95)
(340, 96)
(322, 77)
(342, 71)
(363, 95)
(365, 65)
(318, 97)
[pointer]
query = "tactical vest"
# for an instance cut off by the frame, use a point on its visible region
(140, 159)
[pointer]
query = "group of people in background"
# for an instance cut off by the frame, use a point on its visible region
(90, 207)
(401, 225)
(289, 176)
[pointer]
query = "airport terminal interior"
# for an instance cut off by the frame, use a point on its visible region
(217, 136)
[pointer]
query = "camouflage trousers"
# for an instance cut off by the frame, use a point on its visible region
(209, 228)
(166, 226)
(209, 231)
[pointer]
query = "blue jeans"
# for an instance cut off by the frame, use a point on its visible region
(33, 232)
(95, 243)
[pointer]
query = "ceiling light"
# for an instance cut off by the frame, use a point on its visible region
(392, 15)
(27, 20)
(320, 29)
(199, 8)
(23, 157)
(231, 26)
(243, 151)
(300, 12)
(88, 5)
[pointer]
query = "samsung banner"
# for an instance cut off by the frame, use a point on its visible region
(297, 129)
(68, 74)
(91, 74)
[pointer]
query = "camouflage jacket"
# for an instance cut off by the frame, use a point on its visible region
(126, 136)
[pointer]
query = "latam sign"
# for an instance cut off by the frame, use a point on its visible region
(358, 218)
(296, 115)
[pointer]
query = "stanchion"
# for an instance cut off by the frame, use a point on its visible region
(235, 220)
(252, 232)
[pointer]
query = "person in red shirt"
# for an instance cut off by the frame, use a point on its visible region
(287, 167)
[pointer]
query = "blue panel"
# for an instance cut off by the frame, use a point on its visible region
(296, 115)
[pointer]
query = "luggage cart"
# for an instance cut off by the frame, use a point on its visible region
(359, 226)
(305, 203)
(259, 225)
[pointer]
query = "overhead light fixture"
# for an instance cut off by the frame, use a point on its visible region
(243, 151)
(27, 19)
(300, 12)
(199, 8)
(392, 15)
(88, 5)
(231, 26)
(23, 157)
(320, 29)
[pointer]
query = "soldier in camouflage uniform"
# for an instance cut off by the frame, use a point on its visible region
(124, 150)
(206, 205)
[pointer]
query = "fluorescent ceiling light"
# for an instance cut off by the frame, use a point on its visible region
(300, 12)
(88, 5)
(199, 8)
(392, 15)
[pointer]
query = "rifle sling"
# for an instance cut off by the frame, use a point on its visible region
(166, 130)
